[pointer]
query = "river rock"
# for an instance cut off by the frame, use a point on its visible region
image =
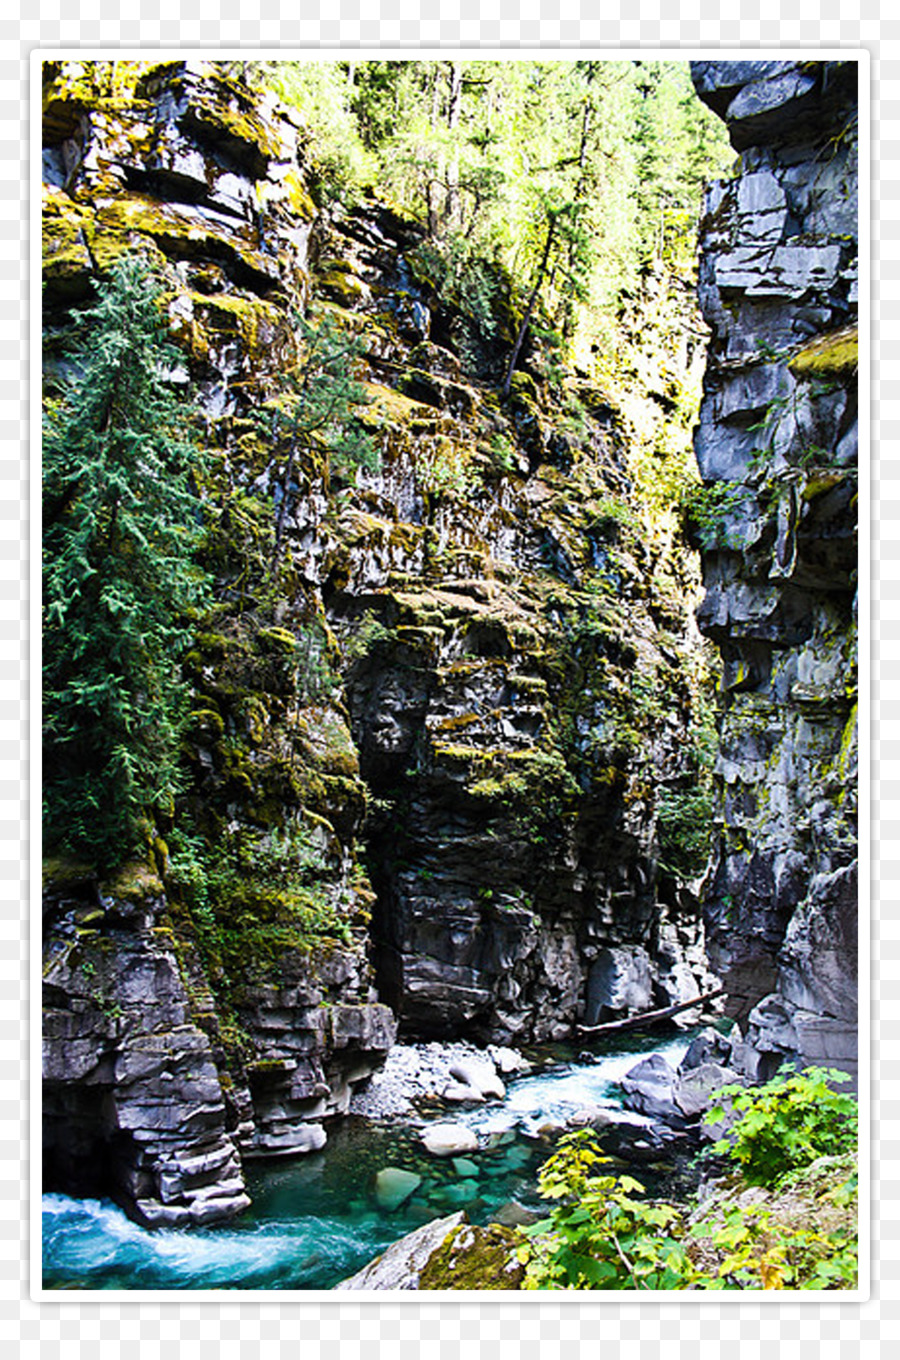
(401, 1265)
(457, 1093)
(508, 1061)
(464, 1168)
(482, 1079)
(708, 1046)
(449, 1140)
(461, 1194)
(394, 1186)
(696, 1090)
(649, 1089)
(515, 1215)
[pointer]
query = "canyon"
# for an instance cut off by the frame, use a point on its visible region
(461, 714)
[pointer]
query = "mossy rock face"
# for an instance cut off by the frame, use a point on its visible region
(343, 286)
(835, 355)
(66, 264)
(473, 1257)
(136, 883)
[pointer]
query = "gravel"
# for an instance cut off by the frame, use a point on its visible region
(413, 1070)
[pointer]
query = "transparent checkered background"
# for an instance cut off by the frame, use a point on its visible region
(442, 1331)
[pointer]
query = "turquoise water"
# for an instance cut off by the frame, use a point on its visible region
(315, 1219)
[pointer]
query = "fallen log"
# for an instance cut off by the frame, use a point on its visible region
(650, 1017)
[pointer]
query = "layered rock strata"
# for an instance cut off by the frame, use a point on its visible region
(777, 447)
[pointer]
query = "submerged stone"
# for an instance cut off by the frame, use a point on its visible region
(394, 1186)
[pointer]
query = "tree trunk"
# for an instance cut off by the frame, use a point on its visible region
(650, 1017)
(542, 269)
(454, 109)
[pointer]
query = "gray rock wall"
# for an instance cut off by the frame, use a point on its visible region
(132, 1100)
(777, 450)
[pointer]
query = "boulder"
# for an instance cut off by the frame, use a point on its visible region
(458, 1093)
(401, 1265)
(515, 1215)
(696, 1090)
(481, 1077)
(394, 1186)
(650, 1089)
(708, 1046)
(508, 1060)
(449, 1140)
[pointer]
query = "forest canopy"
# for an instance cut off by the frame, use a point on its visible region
(608, 157)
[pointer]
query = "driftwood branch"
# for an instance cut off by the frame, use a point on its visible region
(650, 1017)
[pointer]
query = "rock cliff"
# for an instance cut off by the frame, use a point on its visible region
(216, 1002)
(776, 522)
(436, 707)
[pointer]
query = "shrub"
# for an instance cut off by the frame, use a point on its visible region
(786, 1124)
(707, 510)
(600, 1236)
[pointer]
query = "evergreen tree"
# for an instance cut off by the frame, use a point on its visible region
(120, 522)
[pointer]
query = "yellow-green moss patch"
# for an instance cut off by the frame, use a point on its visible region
(835, 355)
(472, 1257)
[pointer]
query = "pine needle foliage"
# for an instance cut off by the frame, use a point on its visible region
(120, 524)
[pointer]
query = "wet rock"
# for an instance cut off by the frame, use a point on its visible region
(708, 1046)
(400, 1267)
(649, 1089)
(514, 1215)
(394, 1186)
(461, 1195)
(508, 1061)
(482, 1079)
(132, 1100)
(695, 1091)
(458, 1094)
(449, 1140)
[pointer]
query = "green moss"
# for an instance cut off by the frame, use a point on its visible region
(835, 355)
(230, 116)
(258, 324)
(61, 872)
(345, 286)
(206, 722)
(387, 406)
(276, 640)
(848, 741)
(134, 882)
(819, 482)
(64, 249)
(455, 724)
(472, 1257)
(179, 230)
(298, 197)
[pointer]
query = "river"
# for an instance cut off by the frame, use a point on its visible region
(315, 1219)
